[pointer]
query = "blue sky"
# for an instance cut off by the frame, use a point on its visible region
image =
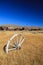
(21, 12)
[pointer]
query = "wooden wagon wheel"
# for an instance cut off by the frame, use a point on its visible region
(18, 42)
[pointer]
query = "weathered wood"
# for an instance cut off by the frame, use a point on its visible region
(18, 42)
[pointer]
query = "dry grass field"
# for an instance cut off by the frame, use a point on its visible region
(31, 52)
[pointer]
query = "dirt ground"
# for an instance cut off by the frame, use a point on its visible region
(31, 52)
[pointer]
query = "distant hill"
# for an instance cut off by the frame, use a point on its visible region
(15, 27)
(10, 25)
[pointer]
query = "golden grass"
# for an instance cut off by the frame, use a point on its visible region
(31, 52)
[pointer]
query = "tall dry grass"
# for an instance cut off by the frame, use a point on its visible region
(31, 52)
